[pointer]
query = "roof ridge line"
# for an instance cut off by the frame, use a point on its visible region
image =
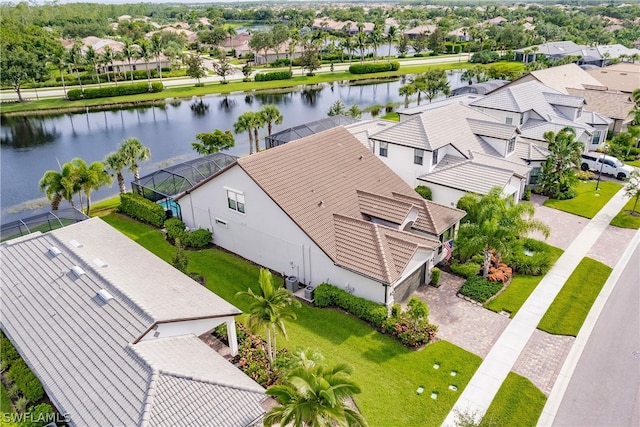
(383, 252)
(206, 381)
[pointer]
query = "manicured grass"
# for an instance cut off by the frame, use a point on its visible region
(387, 372)
(588, 202)
(105, 206)
(635, 163)
(394, 117)
(625, 219)
(518, 403)
(568, 311)
(519, 289)
(5, 400)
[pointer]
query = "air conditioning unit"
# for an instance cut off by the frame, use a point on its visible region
(292, 283)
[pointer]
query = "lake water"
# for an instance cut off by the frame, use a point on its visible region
(32, 145)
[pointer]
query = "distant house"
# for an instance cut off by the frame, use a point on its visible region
(551, 50)
(425, 149)
(560, 78)
(623, 77)
(537, 109)
(112, 331)
(262, 57)
(238, 43)
(306, 129)
(479, 88)
(325, 209)
(600, 55)
(425, 30)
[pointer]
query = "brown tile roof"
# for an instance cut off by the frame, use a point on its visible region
(616, 105)
(331, 175)
(623, 76)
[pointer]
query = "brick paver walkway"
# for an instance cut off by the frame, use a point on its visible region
(542, 359)
(460, 322)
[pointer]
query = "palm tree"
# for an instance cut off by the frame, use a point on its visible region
(115, 162)
(258, 122)
(59, 186)
(91, 57)
(337, 109)
(145, 54)
(270, 307)
(498, 222)
(375, 39)
(392, 34)
(157, 46)
(108, 57)
(271, 114)
(347, 44)
(315, 395)
(129, 52)
(558, 177)
(76, 59)
(90, 177)
(294, 41)
(362, 42)
(133, 151)
(406, 91)
(60, 63)
(231, 32)
(245, 123)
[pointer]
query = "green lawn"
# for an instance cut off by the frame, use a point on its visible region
(588, 202)
(568, 311)
(519, 289)
(5, 400)
(635, 163)
(387, 372)
(518, 403)
(624, 219)
(394, 117)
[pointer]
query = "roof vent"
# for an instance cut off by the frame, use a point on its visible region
(75, 243)
(321, 204)
(54, 251)
(77, 270)
(361, 157)
(100, 263)
(104, 295)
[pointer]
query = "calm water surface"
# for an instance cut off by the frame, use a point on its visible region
(32, 145)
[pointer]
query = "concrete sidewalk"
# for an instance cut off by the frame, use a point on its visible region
(484, 385)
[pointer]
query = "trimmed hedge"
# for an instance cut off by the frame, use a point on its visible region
(197, 239)
(379, 67)
(435, 276)
(142, 209)
(424, 192)
(327, 295)
(468, 269)
(273, 75)
(479, 289)
(74, 94)
(129, 89)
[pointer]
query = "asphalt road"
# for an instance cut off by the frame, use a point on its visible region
(9, 95)
(605, 387)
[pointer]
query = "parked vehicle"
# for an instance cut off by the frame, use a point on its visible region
(609, 165)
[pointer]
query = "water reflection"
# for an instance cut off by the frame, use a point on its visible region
(26, 132)
(276, 98)
(199, 108)
(227, 104)
(310, 96)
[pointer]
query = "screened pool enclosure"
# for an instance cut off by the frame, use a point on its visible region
(161, 185)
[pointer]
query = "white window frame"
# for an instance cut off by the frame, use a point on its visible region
(511, 145)
(236, 201)
(596, 133)
(384, 149)
(434, 157)
(508, 120)
(418, 156)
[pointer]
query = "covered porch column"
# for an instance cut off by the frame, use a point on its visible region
(232, 337)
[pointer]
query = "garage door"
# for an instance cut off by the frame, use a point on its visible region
(404, 290)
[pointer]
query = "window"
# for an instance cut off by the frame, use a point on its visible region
(434, 157)
(235, 201)
(535, 175)
(418, 156)
(521, 118)
(579, 113)
(384, 149)
(512, 145)
(595, 139)
(509, 120)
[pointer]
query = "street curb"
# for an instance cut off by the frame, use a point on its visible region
(550, 409)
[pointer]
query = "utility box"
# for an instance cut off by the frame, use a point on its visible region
(291, 283)
(308, 293)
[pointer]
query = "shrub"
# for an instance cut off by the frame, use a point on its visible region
(468, 269)
(142, 209)
(129, 89)
(38, 416)
(411, 327)
(327, 295)
(424, 191)
(479, 289)
(273, 75)
(535, 264)
(484, 57)
(435, 276)
(585, 175)
(26, 381)
(199, 238)
(396, 309)
(253, 359)
(176, 232)
(502, 273)
(74, 94)
(379, 67)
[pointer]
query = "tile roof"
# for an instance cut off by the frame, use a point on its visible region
(535, 129)
(564, 76)
(492, 129)
(563, 100)
(469, 177)
(616, 105)
(527, 149)
(464, 99)
(433, 129)
(524, 97)
(80, 347)
(624, 76)
(515, 164)
(556, 48)
(330, 168)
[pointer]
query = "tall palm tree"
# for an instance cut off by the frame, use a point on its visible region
(245, 123)
(362, 42)
(132, 151)
(406, 91)
(59, 186)
(315, 395)
(90, 177)
(270, 307)
(271, 114)
(375, 39)
(144, 53)
(115, 163)
(392, 34)
(76, 59)
(498, 223)
(294, 41)
(59, 61)
(230, 33)
(558, 175)
(108, 57)
(129, 52)
(258, 122)
(91, 57)
(157, 46)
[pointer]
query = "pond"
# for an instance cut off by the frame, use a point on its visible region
(32, 145)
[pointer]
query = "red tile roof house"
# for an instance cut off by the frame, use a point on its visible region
(325, 209)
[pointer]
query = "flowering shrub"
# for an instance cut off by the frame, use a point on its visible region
(411, 327)
(502, 273)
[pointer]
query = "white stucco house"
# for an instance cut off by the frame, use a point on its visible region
(451, 148)
(112, 332)
(325, 209)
